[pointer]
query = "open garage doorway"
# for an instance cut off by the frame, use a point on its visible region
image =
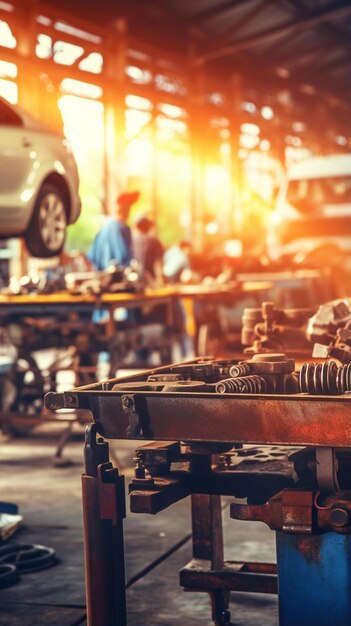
(83, 121)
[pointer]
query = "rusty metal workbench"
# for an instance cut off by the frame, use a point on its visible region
(263, 419)
(305, 498)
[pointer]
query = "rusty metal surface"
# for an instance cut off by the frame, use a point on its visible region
(292, 419)
(296, 420)
(233, 576)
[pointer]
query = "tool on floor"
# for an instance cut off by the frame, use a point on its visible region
(17, 559)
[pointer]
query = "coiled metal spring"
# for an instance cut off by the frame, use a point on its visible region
(326, 378)
(240, 369)
(246, 384)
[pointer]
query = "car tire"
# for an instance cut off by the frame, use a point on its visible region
(45, 236)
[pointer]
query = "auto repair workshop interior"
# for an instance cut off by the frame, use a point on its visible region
(175, 313)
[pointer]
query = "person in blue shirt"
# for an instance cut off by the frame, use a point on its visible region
(113, 242)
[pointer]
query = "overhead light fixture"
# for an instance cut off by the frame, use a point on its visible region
(282, 72)
(267, 112)
(250, 129)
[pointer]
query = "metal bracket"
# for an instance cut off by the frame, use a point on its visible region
(326, 469)
(134, 430)
(290, 511)
(96, 450)
(111, 493)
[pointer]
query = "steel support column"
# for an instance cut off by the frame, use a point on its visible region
(115, 92)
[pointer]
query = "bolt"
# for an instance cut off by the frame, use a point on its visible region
(339, 517)
(225, 617)
(127, 402)
(139, 468)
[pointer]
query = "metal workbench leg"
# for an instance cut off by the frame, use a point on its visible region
(314, 579)
(208, 545)
(103, 513)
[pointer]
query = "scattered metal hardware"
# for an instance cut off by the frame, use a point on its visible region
(264, 373)
(114, 279)
(326, 378)
(241, 369)
(49, 281)
(248, 384)
(268, 329)
(323, 325)
(330, 331)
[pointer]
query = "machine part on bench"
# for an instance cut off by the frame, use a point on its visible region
(156, 458)
(264, 373)
(328, 319)
(138, 386)
(325, 378)
(272, 363)
(164, 378)
(247, 384)
(186, 385)
(239, 370)
(268, 329)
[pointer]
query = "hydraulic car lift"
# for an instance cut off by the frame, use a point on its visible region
(298, 483)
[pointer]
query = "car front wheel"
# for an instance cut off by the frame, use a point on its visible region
(46, 233)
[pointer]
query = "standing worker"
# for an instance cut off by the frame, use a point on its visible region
(113, 242)
(148, 251)
(175, 260)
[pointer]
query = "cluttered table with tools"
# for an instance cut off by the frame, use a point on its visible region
(80, 301)
(123, 298)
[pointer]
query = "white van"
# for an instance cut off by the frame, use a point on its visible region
(312, 219)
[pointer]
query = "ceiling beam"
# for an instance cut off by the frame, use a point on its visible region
(336, 10)
(296, 55)
(321, 64)
(328, 29)
(234, 28)
(215, 11)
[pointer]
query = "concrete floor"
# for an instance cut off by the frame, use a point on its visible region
(50, 500)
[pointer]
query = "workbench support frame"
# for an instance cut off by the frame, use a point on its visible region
(103, 512)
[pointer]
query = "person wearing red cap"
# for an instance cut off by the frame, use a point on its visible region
(113, 242)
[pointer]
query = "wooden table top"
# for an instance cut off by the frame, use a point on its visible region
(123, 298)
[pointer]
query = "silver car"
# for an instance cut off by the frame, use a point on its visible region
(38, 183)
